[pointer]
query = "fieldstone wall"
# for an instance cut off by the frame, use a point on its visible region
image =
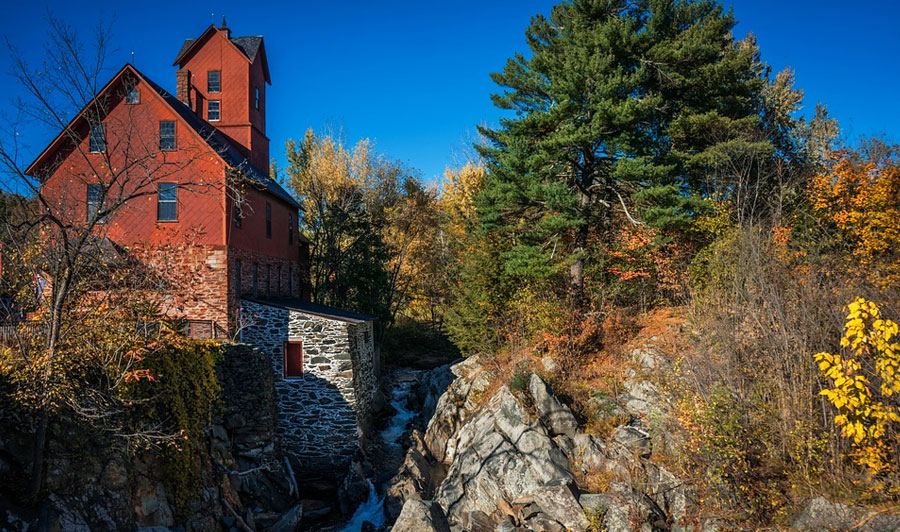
(365, 377)
(323, 414)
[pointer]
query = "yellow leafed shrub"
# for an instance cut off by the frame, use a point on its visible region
(865, 383)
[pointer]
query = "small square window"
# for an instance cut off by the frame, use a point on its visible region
(98, 138)
(212, 110)
(167, 202)
(133, 96)
(167, 135)
(213, 81)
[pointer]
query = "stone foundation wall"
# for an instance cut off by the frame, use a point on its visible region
(192, 279)
(365, 378)
(323, 414)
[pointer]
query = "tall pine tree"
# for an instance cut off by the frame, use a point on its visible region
(610, 110)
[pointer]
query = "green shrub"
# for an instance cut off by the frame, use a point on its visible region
(179, 398)
(521, 376)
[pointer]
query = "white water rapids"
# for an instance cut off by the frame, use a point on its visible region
(372, 509)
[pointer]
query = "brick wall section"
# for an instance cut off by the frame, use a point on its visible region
(322, 415)
(288, 284)
(193, 279)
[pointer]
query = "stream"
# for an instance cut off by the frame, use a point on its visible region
(372, 509)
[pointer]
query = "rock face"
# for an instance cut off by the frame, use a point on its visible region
(821, 514)
(421, 516)
(496, 460)
(108, 490)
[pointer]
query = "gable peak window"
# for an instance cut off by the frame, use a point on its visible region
(98, 138)
(213, 81)
(167, 202)
(212, 110)
(167, 135)
(239, 211)
(132, 96)
(290, 229)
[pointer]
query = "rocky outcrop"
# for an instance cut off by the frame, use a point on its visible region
(494, 459)
(421, 516)
(823, 515)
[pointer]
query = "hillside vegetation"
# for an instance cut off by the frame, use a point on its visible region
(650, 167)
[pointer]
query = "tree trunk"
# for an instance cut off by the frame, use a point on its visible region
(38, 450)
(37, 457)
(576, 270)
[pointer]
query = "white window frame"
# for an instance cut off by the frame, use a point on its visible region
(209, 105)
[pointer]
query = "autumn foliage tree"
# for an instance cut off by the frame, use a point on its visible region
(92, 297)
(374, 229)
(859, 194)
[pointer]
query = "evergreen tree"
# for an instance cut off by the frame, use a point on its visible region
(611, 110)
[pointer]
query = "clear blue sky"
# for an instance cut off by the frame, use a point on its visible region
(413, 75)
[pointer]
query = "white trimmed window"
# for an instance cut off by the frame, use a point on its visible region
(213, 81)
(133, 96)
(167, 202)
(212, 110)
(167, 135)
(98, 138)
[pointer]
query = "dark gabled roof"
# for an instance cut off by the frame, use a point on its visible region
(223, 146)
(313, 308)
(184, 48)
(248, 45)
(215, 139)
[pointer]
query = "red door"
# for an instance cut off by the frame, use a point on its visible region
(293, 359)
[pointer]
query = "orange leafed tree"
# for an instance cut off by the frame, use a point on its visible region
(860, 195)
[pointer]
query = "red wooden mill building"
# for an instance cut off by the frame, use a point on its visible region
(189, 174)
(210, 212)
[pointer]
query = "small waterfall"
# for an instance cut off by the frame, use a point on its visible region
(395, 429)
(372, 509)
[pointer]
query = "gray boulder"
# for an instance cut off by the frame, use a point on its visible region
(288, 521)
(421, 516)
(631, 441)
(643, 399)
(823, 515)
(558, 502)
(501, 456)
(556, 416)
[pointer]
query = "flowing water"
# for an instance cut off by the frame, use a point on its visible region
(372, 509)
